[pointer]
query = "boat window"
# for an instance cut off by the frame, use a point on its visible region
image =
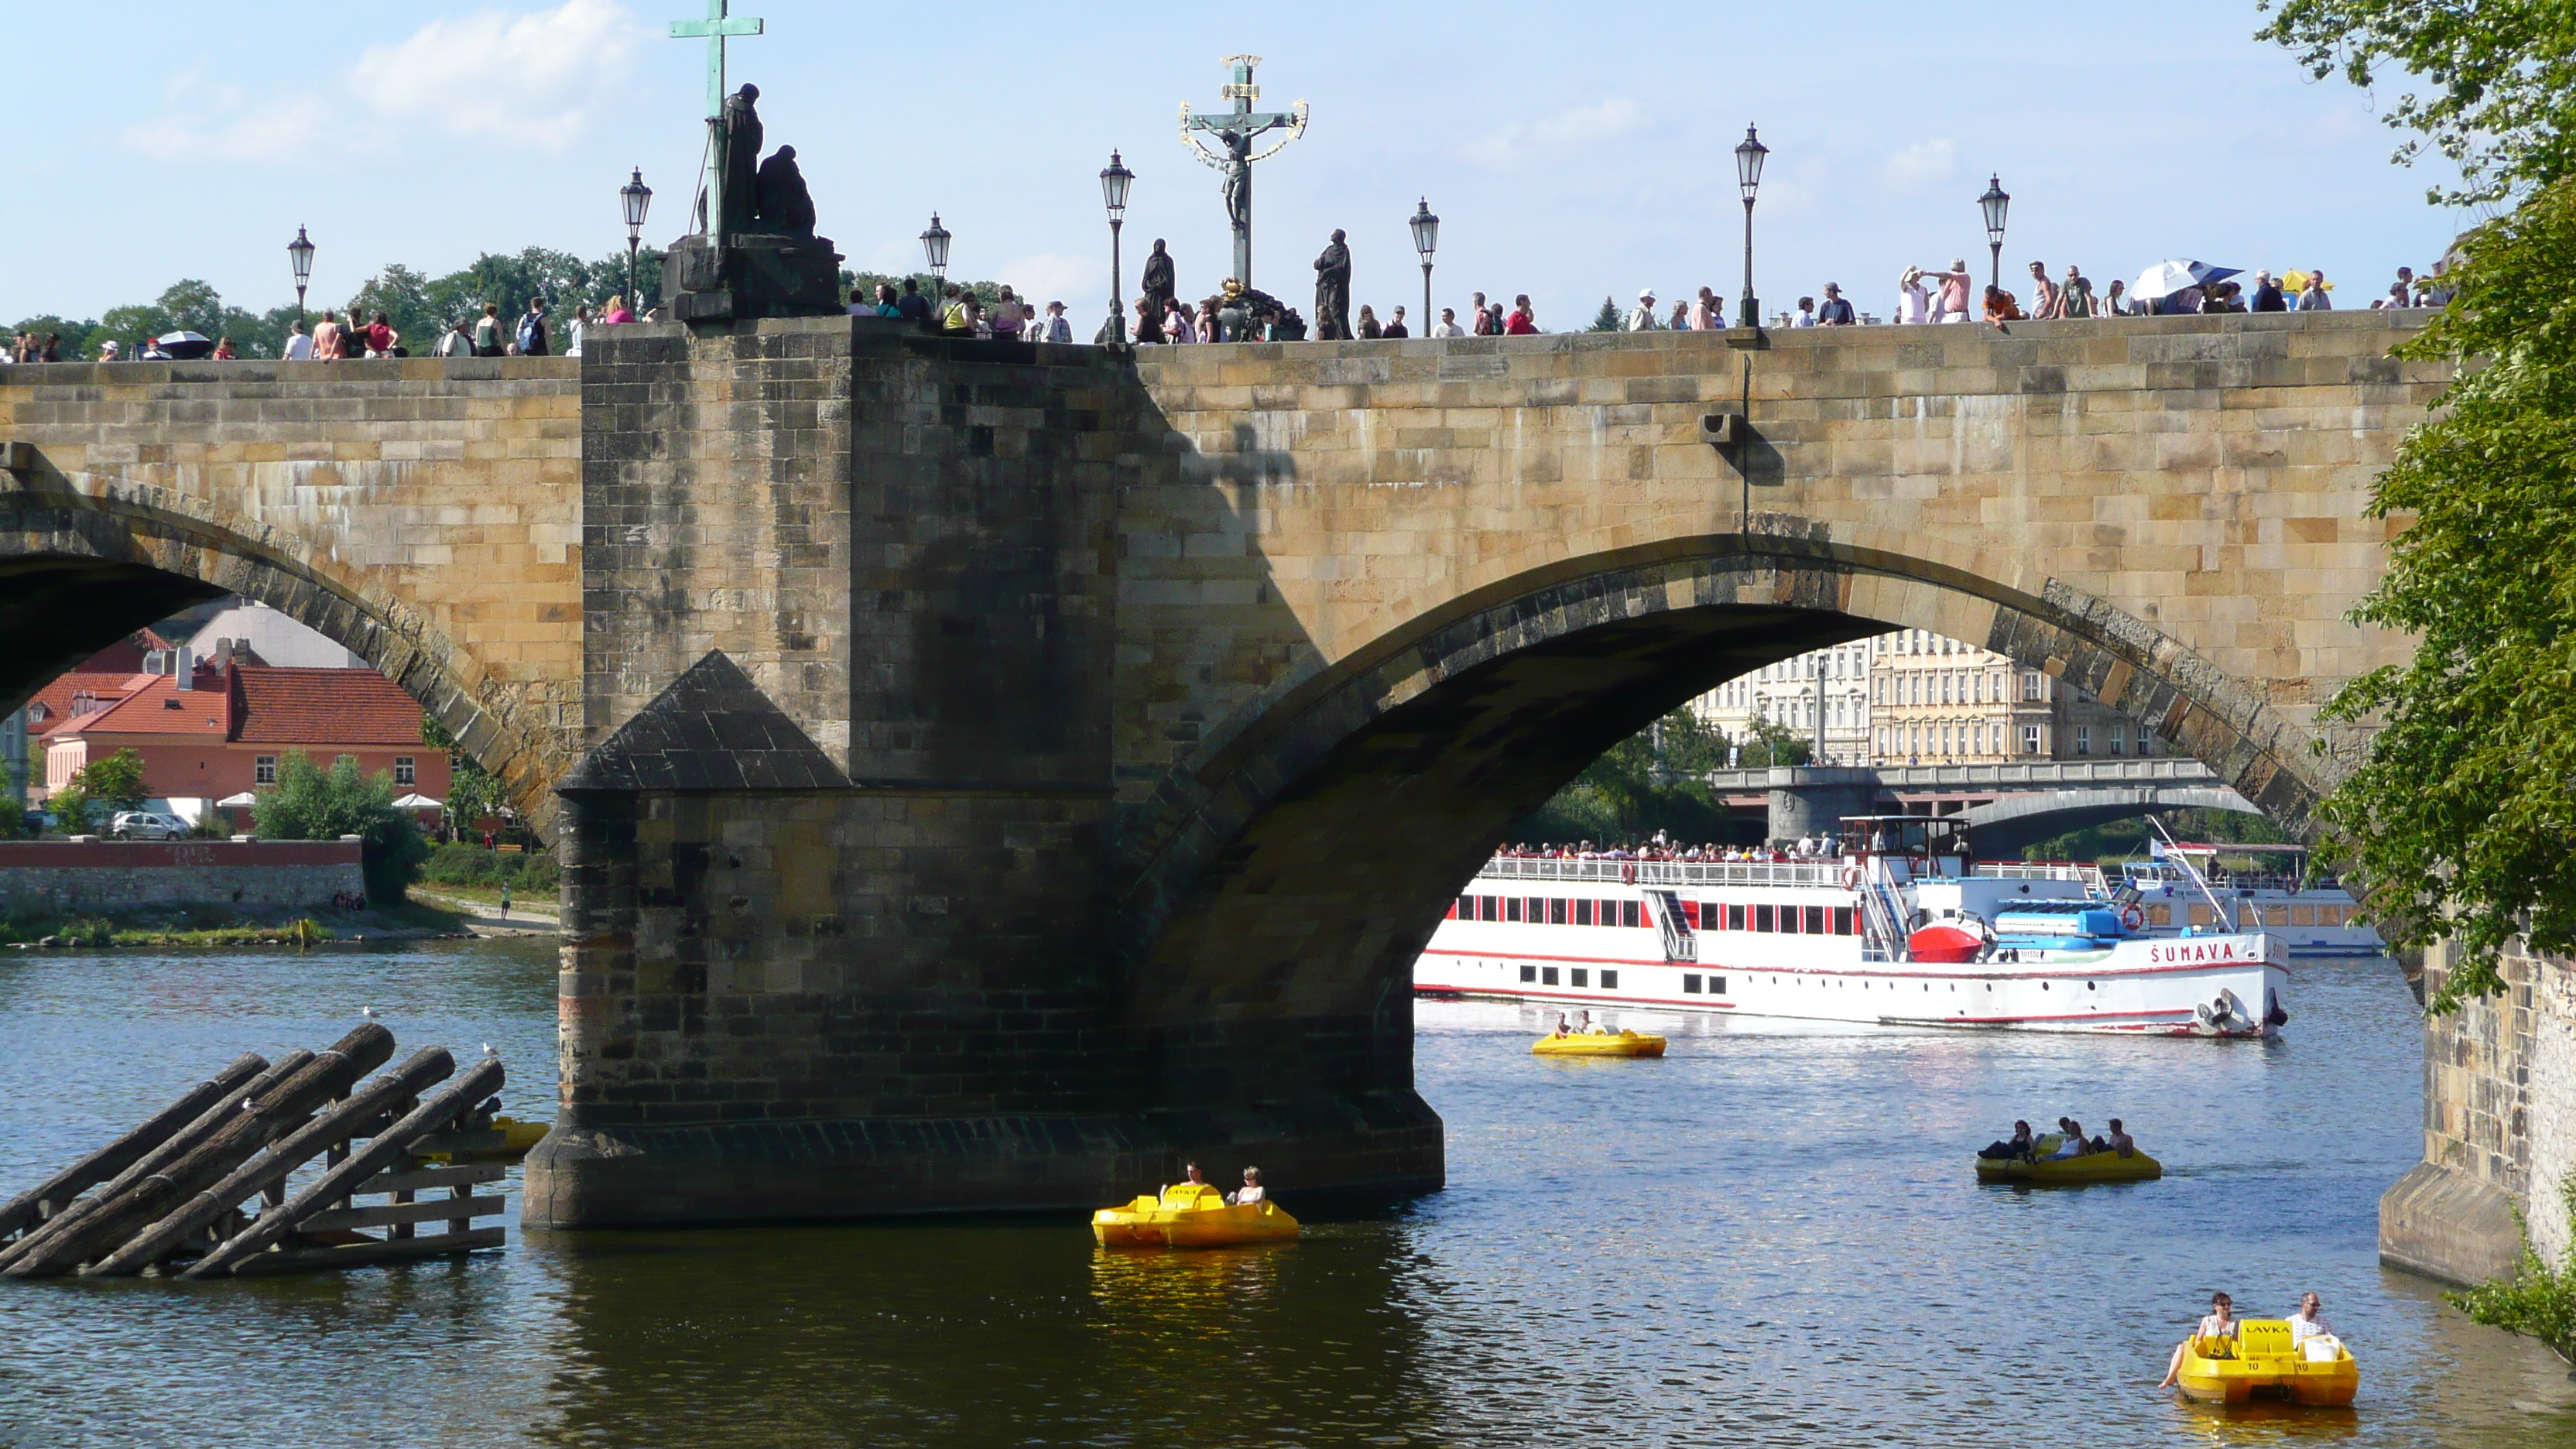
(1582, 977)
(1465, 910)
(1815, 920)
(1842, 920)
(1583, 912)
(1627, 913)
(1690, 983)
(1511, 908)
(1766, 918)
(1556, 910)
(1547, 976)
(1536, 911)
(1735, 918)
(1529, 973)
(1717, 986)
(1609, 980)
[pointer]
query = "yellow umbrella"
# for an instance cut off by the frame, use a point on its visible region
(2297, 281)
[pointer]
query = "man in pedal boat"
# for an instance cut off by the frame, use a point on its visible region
(2305, 1324)
(2121, 1142)
(2221, 1323)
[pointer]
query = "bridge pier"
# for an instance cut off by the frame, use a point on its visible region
(1816, 799)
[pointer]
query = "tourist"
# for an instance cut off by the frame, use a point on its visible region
(1680, 320)
(1913, 299)
(912, 304)
(2075, 298)
(1707, 314)
(1395, 325)
(1561, 1028)
(379, 336)
(488, 341)
(2001, 306)
(2312, 296)
(2267, 294)
(1177, 326)
(618, 314)
(2020, 1145)
(2221, 1323)
(1524, 319)
(1056, 328)
(533, 340)
(577, 329)
(1149, 326)
(2043, 295)
(2120, 1140)
(1250, 1192)
(1836, 312)
(1190, 1175)
(1483, 319)
(299, 343)
(107, 350)
(2071, 1143)
(1448, 324)
(2397, 297)
(456, 341)
(952, 310)
(1954, 290)
(224, 350)
(1641, 318)
(2112, 306)
(1007, 320)
(330, 339)
(1806, 313)
(1206, 324)
(979, 321)
(1368, 327)
(505, 900)
(2306, 1324)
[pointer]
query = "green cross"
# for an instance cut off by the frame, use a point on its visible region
(714, 29)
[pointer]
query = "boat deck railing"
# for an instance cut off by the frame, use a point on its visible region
(1667, 872)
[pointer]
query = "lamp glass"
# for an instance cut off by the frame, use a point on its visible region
(1114, 181)
(639, 200)
(934, 244)
(299, 254)
(1426, 229)
(1749, 155)
(1996, 202)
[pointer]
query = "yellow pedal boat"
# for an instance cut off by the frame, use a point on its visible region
(2092, 1167)
(1191, 1215)
(1622, 1043)
(2261, 1363)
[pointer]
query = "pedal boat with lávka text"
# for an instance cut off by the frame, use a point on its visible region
(2261, 1362)
(1191, 1215)
(1621, 1043)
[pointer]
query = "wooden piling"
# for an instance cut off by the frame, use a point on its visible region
(55, 1193)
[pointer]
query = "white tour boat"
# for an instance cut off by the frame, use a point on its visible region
(1905, 932)
(2314, 917)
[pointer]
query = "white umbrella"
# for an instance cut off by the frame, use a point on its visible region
(2174, 275)
(416, 802)
(242, 801)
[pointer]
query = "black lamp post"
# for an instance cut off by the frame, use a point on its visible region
(1426, 240)
(299, 255)
(1748, 177)
(1996, 202)
(934, 249)
(1115, 178)
(639, 200)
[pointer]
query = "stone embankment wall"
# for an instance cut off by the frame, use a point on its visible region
(119, 875)
(2499, 1128)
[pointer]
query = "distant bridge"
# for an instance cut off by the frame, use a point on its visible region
(2007, 807)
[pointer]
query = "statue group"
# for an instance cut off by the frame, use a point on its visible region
(766, 197)
(758, 256)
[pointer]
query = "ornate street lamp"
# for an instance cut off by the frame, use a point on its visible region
(1996, 202)
(299, 255)
(1426, 240)
(934, 248)
(639, 200)
(1748, 177)
(1115, 178)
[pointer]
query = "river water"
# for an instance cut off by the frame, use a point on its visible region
(1769, 1237)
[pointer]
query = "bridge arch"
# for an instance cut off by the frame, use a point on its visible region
(87, 559)
(1295, 863)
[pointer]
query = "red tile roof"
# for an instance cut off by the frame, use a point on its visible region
(158, 708)
(323, 707)
(56, 698)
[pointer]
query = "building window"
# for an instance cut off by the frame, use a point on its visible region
(2030, 686)
(2119, 739)
(1529, 973)
(405, 773)
(2083, 739)
(2146, 742)
(263, 770)
(1609, 980)
(2030, 739)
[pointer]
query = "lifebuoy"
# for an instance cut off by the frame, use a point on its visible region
(1851, 877)
(2133, 916)
(1628, 874)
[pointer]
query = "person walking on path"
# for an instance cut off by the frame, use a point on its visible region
(1448, 324)
(1837, 312)
(1707, 314)
(1057, 329)
(2045, 304)
(487, 331)
(2312, 297)
(299, 343)
(532, 339)
(1954, 291)
(329, 344)
(1483, 318)
(456, 341)
(1524, 319)
(1641, 318)
(2075, 298)
(1395, 325)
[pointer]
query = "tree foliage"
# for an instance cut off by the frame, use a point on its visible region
(96, 791)
(2461, 815)
(310, 803)
(1657, 780)
(2502, 78)
(1608, 319)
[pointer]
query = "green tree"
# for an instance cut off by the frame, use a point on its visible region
(115, 782)
(76, 335)
(472, 793)
(310, 803)
(2502, 78)
(403, 296)
(1608, 318)
(1626, 794)
(1767, 743)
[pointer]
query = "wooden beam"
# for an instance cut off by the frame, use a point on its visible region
(437, 1209)
(56, 1192)
(358, 1255)
(428, 1179)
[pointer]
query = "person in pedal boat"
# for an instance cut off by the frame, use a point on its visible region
(2221, 1323)
(2121, 1142)
(1561, 1028)
(1250, 1192)
(2305, 1324)
(1589, 1027)
(2022, 1145)
(2074, 1145)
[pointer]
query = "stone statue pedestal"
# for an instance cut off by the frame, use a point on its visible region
(751, 276)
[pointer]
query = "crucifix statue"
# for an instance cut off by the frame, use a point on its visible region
(715, 220)
(1234, 132)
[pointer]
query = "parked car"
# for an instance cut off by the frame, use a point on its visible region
(144, 825)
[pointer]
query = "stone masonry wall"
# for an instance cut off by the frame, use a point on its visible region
(116, 875)
(423, 512)
(2499, 1127)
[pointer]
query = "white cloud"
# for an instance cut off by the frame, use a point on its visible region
(1564, 132)
(529, 79)
(1920, 164)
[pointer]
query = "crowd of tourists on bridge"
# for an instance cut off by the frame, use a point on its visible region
(333, 339)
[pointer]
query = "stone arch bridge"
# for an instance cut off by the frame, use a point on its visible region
(984, 771)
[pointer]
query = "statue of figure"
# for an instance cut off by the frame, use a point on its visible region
(1159, 287)
(1333, 291)
(785, 205)
(1238, 179)
(741, 163)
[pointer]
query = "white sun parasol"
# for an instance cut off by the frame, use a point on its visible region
(2175, 274)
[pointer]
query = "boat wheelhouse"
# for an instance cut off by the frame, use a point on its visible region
(2312, 916)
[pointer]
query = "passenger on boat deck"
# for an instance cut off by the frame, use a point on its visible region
(2121, 1142)
(1250, 1192)
(2221, 1323)
(2305, 1324)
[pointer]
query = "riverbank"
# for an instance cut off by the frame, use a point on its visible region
(215, 926)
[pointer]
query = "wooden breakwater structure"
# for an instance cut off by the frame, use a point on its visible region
(201, 1190)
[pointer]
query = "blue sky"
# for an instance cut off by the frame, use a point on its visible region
(1572, 151)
